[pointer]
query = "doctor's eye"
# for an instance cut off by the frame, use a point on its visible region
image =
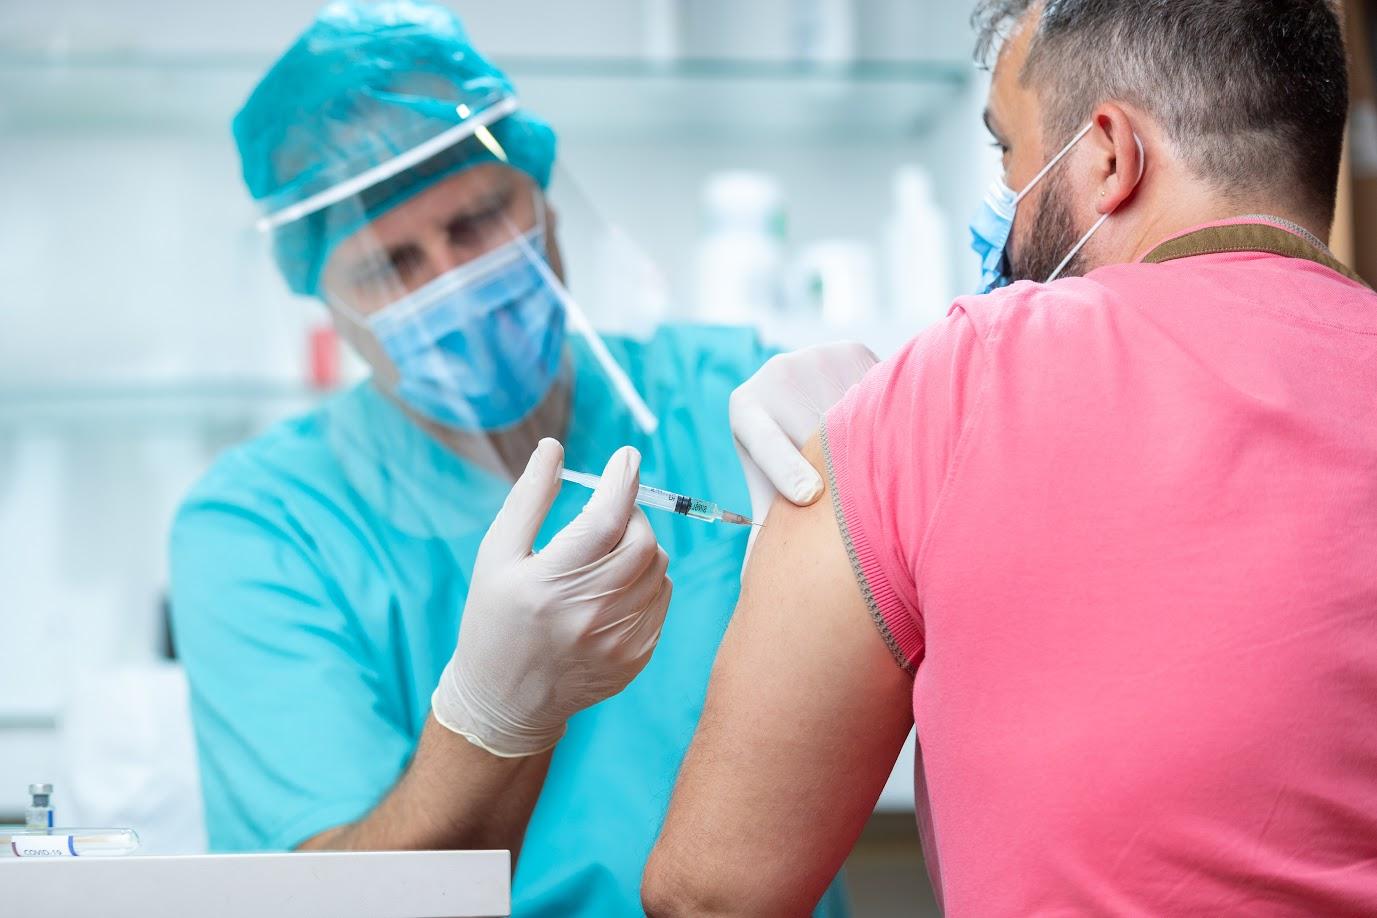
(405, 263)
(476, 230)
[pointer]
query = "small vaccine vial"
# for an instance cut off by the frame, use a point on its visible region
(39, 814)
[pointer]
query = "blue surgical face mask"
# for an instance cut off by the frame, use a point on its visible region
(990, 229)
(479, 347)
(994, 223)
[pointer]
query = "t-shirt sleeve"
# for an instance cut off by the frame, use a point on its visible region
(890, 446)
(291, 731)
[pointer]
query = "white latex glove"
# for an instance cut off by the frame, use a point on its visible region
(546, 635)
(776, 411)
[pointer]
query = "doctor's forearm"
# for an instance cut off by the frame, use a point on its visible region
(453, 795)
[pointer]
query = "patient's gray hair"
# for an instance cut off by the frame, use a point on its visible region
(1253, 94)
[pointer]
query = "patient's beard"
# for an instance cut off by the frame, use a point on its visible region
(1051, 235)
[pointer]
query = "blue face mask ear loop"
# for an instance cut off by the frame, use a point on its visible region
(1142, 170)
(1052, 163)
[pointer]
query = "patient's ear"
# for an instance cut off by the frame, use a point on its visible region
(1120, 158)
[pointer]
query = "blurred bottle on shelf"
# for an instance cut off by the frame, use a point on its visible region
(324, 358)
(740, 258)
(811, 31)
(832, 285)
(911, 30)
(918, 287)
(732, 30)
(662, 28)
(824, 31)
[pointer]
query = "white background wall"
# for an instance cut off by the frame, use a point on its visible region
(142, 327)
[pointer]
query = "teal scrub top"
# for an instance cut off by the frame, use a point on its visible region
(319, 575)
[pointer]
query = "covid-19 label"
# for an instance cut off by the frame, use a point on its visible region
(43, 846)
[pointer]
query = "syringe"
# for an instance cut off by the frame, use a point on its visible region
(681, 504)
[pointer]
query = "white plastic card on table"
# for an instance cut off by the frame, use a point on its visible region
(394, 884)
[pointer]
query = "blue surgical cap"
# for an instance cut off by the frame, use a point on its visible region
(368, 81)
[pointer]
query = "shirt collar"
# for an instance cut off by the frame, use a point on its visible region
(1279, 222)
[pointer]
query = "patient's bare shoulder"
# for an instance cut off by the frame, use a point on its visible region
(805, 714)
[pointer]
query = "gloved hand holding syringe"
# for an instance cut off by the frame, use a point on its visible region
(546, 634)
(658, 499)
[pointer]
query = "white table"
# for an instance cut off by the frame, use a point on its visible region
(405, 884)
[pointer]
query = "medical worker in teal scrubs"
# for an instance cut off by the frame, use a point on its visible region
(401, 629)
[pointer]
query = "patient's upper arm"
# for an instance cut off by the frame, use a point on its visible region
(810, 697)
(805, 715)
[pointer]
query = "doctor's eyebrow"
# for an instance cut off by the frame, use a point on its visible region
(477, 214)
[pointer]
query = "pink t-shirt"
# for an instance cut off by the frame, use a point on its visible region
(1123, 528)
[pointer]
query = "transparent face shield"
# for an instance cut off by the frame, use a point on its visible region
(446, 276)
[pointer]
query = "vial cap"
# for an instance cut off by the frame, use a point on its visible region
(40, 788)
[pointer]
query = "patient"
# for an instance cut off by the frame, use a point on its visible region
(1110, 541)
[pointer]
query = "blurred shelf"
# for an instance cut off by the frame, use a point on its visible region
(710, 99)
(142, 405)
(693, 98)
(27, 720)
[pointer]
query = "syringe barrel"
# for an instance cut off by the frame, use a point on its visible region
(660, 500)
(657, 498)
(704, 510)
